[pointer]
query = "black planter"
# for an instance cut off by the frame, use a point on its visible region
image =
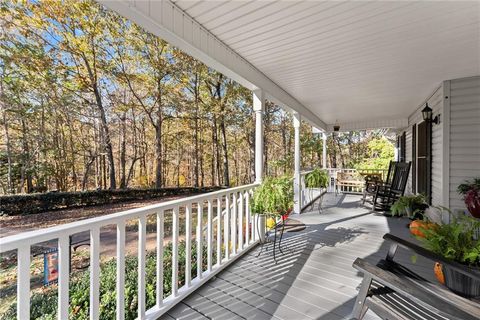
(460, 283)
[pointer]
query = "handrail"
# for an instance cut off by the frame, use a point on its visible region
(231, 242)
(32, 237)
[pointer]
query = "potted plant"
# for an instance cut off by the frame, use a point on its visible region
(412, 205)
(273, 198)
(456, 241)
(471, 195)
(316, 179)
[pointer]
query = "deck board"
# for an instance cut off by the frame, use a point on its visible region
(313, 279)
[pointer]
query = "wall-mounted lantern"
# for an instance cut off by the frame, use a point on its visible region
(427, 114)
(336, 126)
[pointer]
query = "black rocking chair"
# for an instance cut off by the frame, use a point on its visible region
(387, 194)
(371, 184)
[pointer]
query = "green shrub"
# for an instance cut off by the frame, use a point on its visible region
(43, 305)
(41, 202)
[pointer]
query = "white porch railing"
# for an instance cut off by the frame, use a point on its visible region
(308, 195)
(332, 172)
(232, 208)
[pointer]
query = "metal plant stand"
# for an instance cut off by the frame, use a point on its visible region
(279, 225)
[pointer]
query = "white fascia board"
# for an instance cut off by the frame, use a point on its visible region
(166, 20)
(373, 124)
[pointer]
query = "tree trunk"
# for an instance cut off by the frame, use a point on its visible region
(217, 151)
(103, 117)
(158, 137)
(212, 162)
(26, 173)
(123, 157)
(195, 152)
(226, 177)
(87, 171)
(9, 152)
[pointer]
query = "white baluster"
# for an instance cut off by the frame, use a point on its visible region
(240, 221)
(234, 223)
(247, 218)
(23, 282)
(94, 273)
(175, 252)
(188, 244)
(226, 227)
(160, 236)
(199, 240)
(63, 276)
(209, 236)
(254, 225)
(142, 237)
(120, 270)
(219, 231)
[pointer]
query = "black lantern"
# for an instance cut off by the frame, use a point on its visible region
(336, 126)
(427, 114)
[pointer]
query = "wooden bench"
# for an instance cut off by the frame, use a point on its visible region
(392, 291)
(349, 182)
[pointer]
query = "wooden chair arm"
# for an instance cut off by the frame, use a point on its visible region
(470, 272)
(410, 289)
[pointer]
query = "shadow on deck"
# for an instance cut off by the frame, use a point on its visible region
(313, 279)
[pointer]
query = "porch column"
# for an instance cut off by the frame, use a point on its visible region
(258, 108)
(324, 151)
(297, 186)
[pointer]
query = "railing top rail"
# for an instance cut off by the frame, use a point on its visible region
(37, 236)
(305, 172)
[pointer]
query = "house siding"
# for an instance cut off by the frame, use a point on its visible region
(464, 135)
(436, 103)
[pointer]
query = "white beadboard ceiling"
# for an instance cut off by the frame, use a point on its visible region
(350, 61)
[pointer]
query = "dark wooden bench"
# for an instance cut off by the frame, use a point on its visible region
(392, 291)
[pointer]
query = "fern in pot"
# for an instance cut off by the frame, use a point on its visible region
(457, 241)
(412, 206)
(316, 179)
(273, 199)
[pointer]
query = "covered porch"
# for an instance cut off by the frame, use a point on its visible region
(348, 67)
(314, 278)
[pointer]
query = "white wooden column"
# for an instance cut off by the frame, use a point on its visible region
(297, 187)
(258, 108)
(324, 151)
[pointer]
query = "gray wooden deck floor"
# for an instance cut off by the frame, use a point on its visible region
(313, 279)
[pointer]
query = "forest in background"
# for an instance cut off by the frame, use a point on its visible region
(89, 100)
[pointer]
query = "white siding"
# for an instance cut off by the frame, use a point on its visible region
(436, 103)
(464, 134)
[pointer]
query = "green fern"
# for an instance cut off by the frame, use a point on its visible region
(316, 179)
(273, 196)
(458, 240)
(415, 202)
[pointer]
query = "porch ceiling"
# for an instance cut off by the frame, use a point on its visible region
(350, 61)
